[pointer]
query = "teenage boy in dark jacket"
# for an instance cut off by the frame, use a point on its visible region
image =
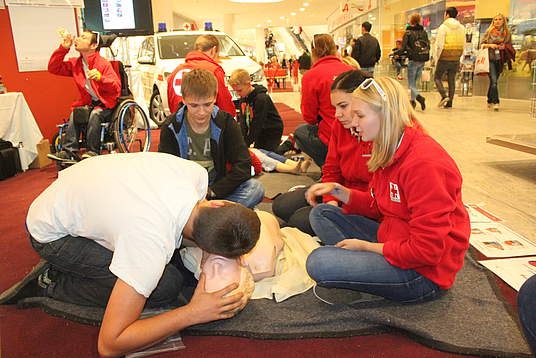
(259, 120)
(201, 132)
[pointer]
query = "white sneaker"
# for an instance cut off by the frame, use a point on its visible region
(496, 107)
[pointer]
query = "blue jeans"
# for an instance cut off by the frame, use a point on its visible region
(93, 131)
(414, 72)
(80, 274)
(361, 270)
(249, 193)
(307, 138)
(526, 305)
(495, 70)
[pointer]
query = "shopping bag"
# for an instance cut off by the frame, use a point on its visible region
(482, 62)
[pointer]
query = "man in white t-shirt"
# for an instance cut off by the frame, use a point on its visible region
(108, 228)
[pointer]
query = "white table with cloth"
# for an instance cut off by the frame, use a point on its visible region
(17, 125)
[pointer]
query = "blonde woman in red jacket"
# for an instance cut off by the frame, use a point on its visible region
(406, 236)
(316, 107)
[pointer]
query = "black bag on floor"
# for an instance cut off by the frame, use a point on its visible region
(9, 159)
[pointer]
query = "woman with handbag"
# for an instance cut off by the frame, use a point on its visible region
(498, 41)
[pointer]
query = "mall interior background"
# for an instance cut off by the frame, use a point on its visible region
(389, 19)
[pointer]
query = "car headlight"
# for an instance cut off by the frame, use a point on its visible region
(257, 76)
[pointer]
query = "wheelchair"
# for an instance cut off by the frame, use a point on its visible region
(127, 131)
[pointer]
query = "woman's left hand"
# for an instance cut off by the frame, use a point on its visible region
(360, 245)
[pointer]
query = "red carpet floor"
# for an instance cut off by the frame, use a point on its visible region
(291, 118)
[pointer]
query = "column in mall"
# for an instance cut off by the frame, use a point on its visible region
(163, 12)
(260, 50)
(228, 24)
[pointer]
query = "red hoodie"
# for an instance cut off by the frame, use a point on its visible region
(108, 88)
(316, 100)
(198, 59)
(418, 197)
(346, 162)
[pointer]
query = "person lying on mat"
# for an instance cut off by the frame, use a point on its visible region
(108, 230)
(201, 132)
(271, 161)
(259, 120)
(405, 237)
(346, 162)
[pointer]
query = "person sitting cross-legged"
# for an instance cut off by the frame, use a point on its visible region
(201, 132)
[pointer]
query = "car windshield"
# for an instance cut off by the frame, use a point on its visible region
(178, 46)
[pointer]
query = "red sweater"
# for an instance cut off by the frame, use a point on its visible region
(316, 100)
(198, 59)
(346, 162)
(108, 88)
(418, 197)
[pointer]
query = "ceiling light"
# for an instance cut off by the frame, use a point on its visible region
(268, 21)
(302, 9)
(255, 1)
(305, 4)
(258, 25)
(281, 17)
(293, 13)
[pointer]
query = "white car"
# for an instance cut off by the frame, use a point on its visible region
(161, 53)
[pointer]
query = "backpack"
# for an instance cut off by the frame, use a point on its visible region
(420, 51)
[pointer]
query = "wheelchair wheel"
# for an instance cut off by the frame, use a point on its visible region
(131, 128)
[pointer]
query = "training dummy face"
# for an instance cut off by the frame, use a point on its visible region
(261, 261)
(221, 272)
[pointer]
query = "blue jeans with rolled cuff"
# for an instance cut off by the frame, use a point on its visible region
(363, 271)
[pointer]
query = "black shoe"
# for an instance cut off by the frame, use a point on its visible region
(32, 285)
(413, 104)
(448, 104)
(421, 100)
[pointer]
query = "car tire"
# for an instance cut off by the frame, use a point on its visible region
(156, 109)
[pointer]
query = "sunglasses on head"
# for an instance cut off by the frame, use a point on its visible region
(365, 85)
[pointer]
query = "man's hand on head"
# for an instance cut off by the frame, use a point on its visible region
(210, 306)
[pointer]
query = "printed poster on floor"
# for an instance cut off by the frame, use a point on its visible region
(478, 215)
(496, 240)
(512, 271)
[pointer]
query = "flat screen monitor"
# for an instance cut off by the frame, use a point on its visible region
(121, 17)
